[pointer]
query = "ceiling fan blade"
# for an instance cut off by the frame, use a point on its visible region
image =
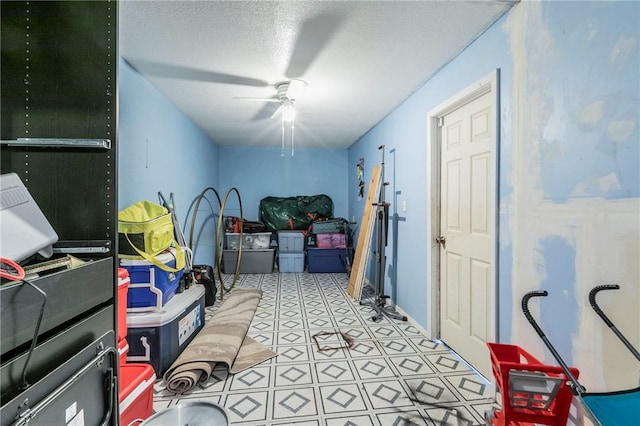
(269, 110)
(314, 34)
(157, 69)
(256, 99)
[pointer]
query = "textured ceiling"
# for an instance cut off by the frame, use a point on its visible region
(360, 59)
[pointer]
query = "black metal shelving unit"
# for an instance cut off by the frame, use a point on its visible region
(58, 134)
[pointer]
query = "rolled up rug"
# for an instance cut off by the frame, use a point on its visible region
(222, 340)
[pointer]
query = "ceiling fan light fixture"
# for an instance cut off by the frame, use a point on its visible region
(295, 89)
(288, 112)
(287, 94)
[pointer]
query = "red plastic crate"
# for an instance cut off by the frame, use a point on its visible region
(135, 395)
(528, 405)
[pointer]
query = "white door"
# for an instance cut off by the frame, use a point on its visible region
(468, 147)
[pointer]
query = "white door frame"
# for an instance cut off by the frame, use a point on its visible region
(486, 84)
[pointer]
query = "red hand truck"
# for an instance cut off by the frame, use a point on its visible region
(531, 392)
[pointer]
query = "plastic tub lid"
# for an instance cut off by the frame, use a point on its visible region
(196, 413)
(245, 251)
(170, 311)
(164, 257)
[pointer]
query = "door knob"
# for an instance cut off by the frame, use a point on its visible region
(442, 241)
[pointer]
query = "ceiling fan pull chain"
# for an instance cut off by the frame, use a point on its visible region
(282, 149)
(292, 140)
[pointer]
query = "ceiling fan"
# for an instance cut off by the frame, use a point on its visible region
(313, 35)
(287, 92)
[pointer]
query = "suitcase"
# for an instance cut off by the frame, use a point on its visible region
(204, 276)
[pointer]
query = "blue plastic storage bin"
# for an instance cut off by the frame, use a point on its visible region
(291, 262)
(150, 287)
(326, 260)
(290, 242)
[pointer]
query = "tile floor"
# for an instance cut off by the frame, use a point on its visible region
(392, 374)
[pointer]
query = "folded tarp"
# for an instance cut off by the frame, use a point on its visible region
(294, 213)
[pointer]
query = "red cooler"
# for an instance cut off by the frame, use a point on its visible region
(123, 350)
(136, 392)
(123, 288)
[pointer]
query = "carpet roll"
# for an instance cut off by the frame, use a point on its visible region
(222, 340)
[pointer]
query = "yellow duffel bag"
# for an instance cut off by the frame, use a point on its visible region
(145, 230)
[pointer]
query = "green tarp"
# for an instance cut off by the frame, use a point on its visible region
(278, 213)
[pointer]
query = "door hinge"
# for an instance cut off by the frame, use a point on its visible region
(440, 121)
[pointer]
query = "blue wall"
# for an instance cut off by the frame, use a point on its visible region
(404, 134)
(160, 149)
(592, 131)
(569, 164)
(262, 172)
(569, 172)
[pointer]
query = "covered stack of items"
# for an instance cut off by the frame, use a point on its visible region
(293, 218)
(294, 213)
(257, 255)
(162, 315)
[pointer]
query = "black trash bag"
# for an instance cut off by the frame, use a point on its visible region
(294, 213)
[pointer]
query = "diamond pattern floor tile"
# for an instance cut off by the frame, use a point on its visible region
(341, 399)
(391, 375)
(292, 403)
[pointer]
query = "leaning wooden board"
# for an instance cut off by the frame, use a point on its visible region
(363, 247)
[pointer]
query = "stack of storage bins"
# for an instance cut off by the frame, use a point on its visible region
(161, 321)
(330, 252)
(135, 393)
(291, 256)
(257, 257)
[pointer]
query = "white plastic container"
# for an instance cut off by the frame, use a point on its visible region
(260, 240)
